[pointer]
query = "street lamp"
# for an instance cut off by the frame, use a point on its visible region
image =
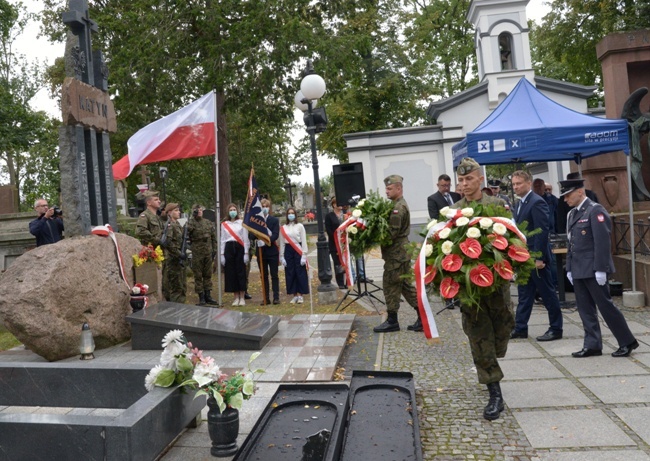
(312, 88)
(163, 176)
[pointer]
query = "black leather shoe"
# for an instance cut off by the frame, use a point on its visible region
(587, 353)
(417, 326)
(342, 287)
(247, 296)
(276, 301)
(625, 351)
(518, 335)
(365, 279)
(550, 335)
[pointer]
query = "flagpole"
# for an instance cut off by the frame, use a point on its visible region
(216, 190)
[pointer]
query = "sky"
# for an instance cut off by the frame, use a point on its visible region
(36, 48)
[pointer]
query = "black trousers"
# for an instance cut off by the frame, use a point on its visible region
(270, 266)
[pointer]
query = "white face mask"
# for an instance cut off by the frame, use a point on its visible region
(291, 217)
(232, 213)
(265, 210)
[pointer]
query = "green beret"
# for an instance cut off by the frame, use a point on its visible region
(393, 179)
(467, 165)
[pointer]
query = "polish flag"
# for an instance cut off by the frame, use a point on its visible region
(187, 133)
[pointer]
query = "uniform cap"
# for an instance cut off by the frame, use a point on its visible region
(150, 193)
(494, 183)
(574, 175)
(170, 207)
(393, 179)
(570, 185)
(467, 165)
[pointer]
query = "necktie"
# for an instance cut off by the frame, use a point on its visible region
(448, 198)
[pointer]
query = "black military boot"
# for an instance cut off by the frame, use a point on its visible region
(201, 300)
(417, 326)
(208, 298)
(391, 324)
(495, 406)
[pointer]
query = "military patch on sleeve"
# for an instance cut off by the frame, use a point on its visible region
(395, 211)
(143, 215)
(601, 217)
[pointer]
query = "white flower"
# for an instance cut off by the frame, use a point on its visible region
(499, 229)
(356, 213)
(169, 355)
(473, 232)
(447, 247)
(135, 290)
(428, 249)
(353, 229)
(485, 223)
(462, 221)
(432, 223)
(173, 335)
(146, 287)
(444, 210)
(451, 213)
(361, 202)
(444, 233)
(206, 372)
(150, 379)
(467, 212)
(349, 229)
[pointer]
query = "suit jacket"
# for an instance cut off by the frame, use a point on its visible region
(534, 210)
(273, 224)
(590, 246)
(436, 202)
(331, 224)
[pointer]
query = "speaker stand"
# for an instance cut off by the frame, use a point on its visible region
(361, 290)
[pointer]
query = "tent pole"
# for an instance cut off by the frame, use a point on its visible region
(631, 214)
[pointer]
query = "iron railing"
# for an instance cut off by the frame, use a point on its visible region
(621, 236)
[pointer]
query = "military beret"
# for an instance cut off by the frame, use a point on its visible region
(570, 185)
(196, 206)
(393, 179)
(170, 207)
(494, 183)
(467, 165)
(150, 194)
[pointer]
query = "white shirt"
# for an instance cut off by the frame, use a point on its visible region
(297, 232)
(239, 229)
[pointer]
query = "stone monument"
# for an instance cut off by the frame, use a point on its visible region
(87, 189)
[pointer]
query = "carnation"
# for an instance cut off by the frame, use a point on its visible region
(172, 336)
(485, 223)
(356, 213)
(467, 212)
(462, 221)
(429, 249)
(473, 232)
(150, 379)
(444, 233)
(447, 247)
(499, 229)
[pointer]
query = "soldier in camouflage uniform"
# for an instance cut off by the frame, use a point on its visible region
(488, 327)
(396, 261)
(150, 227)
(175, 275)
(202, 234)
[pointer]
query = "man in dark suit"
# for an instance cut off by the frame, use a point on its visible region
(270, 255)
(589, 260)
(533, 210)
(444, 197)
(333, 220)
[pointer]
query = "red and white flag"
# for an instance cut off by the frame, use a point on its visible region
(187, 133)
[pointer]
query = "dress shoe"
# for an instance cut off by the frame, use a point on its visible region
(587, 353)
(365, 279)
(342, 287)
(550, 335)
(417, 326)
(518, 334)
(247, 296)
(625, 351)
(276, 301)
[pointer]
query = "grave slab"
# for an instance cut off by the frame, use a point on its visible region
(207, 328)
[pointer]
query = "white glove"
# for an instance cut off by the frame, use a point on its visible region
(246, 259)
(570, 277)
(223, 260)
(303, 260)
(283, 261)
(601, 278)
(260, 243)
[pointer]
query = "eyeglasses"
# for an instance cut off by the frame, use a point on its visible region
(42, 205)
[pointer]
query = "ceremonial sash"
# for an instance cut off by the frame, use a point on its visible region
(343, 248)
(293, 244)
(230, 230)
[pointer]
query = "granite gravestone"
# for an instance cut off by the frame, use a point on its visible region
(87, 189)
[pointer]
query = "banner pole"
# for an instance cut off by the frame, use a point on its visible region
(216, 190)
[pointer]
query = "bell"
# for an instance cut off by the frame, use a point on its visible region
(87, 343)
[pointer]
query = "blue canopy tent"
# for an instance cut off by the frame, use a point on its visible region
(529, 127)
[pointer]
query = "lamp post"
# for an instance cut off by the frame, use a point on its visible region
(163, 176)
(312, 88)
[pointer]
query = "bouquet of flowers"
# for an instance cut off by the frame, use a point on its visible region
(475, 252)
(148, 253)
(182, 364)
(139, 289)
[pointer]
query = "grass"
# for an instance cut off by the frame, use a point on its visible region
(7, 341)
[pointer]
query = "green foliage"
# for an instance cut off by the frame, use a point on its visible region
(7, 341)
(374, 211)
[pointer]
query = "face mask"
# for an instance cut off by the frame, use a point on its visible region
(265, 210)
(291, 217)
(233, 214)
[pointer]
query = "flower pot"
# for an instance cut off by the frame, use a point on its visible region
(223, 429)
(138, 302)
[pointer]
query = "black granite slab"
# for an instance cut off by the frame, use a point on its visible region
(207, 328)
(147, 424)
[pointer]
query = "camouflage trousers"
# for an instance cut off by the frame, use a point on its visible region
(202, 269)
(488, 328)
(395, 286)
(175, 280)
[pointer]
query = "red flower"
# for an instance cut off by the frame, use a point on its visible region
(504, 269)
(452, 263)
(498, 241)
(430, 274)
(518, 254)
(449, 288)
(481, 275)
(472, 248)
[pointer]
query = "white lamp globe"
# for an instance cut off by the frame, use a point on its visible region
(297, 101)
(313, 86)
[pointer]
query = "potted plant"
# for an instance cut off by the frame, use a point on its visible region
(139, 297)
(147, 264)
(183, 365)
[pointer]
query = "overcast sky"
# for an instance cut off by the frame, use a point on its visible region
(40, 49)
